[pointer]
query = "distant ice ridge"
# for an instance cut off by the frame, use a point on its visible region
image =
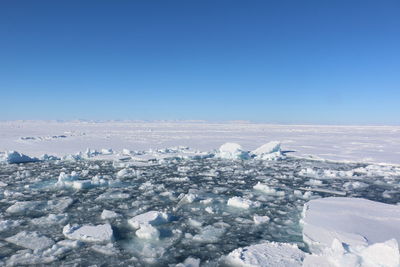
(351, 232)
(268, 151)
(16, 157)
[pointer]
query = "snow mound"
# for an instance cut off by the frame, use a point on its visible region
(353, 221)
(150, 217)
(231, 151)
(266, 254)
(16, 157)
(89, 233)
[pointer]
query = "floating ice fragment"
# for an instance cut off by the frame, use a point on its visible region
(209, 234)
(189, 262)
(31, 240)
(108, 214)
(147, 231)
(266, 254)
(260, 219)
(89, 233)
(242, 203)
(150, 217)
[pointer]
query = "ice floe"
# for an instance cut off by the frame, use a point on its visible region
(351, 232)
(89, 233)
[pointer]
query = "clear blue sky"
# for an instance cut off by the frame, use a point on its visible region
(265, 61)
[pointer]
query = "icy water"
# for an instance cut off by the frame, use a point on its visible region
(194, 193)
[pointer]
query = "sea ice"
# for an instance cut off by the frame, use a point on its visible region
(89, 233)
(16, 157)
(266, 254)
(30, 240)
(231, 151)
(268, 151)
(150, 217)
(147, 231)
(242, 203)
(108, 214)
(353, 221)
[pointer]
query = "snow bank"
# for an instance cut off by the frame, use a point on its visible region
(231, 151)
(351, 232)
(266, 254)
(16, 157)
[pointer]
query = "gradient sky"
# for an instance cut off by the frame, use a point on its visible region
(334, 62)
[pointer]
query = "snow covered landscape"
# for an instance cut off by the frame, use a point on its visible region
(198, 194)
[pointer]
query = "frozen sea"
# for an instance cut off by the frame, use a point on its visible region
(181, 206)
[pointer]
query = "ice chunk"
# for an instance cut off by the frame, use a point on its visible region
(108, 249)
(7, 224)
(209, 234)
(260, 219)
(147, 231)
(20, 207)
(266, 254)
(16, 157)
(50, 219)
(242, 203)
(270, 147)
(89, 233)
(232, 151)
(189, 262)
(150, 217)
(354, 221)
(108, 214)
(30, 240)
(268, 190)
(354, 185)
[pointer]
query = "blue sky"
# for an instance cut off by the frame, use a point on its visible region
(333, 62)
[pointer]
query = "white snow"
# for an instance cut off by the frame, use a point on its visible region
(379, 144)
(266, 254)
(354, 221)
(89, 233)
(384, 254)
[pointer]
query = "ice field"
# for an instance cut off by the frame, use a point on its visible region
(234, 205)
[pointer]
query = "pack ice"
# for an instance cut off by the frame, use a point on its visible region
(181, 207)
